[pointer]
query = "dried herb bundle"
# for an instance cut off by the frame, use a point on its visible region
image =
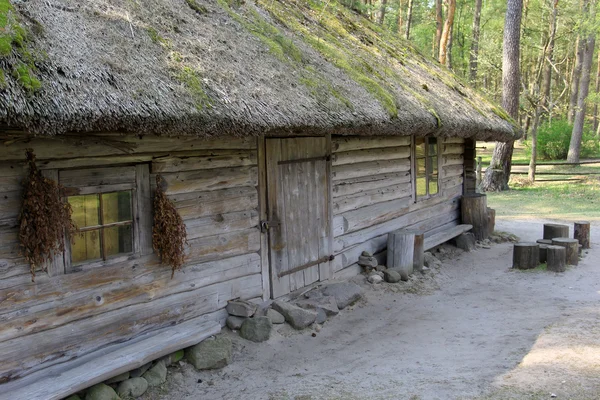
(168, 230)
(44, 218)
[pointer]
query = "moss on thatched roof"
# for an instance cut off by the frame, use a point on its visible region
(177, 67)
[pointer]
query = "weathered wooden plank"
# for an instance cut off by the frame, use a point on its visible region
(376, 214)
(97, 176)
(451, 170)
(364, 183)
(205, 160)
(349, 143)
(452, 149)
(444, 236)
(452, 159)
(202, 180)
(221, 223)
(11, 175)
(225, 245)
(73, 146)
(63, 380)
(366, 155)
(10, 204)
(453, 140)
(143, 212)
(262, 209)
(371, 197)
(349, 171)
(203, 204)
(451, 182)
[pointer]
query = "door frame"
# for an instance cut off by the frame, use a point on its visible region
(326, 270)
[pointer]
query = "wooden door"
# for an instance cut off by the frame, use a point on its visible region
(298, 212)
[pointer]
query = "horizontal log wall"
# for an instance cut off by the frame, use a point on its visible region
(373, 195)
(213, 184)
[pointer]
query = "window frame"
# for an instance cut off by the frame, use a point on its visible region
(141, 219)
(427, 158)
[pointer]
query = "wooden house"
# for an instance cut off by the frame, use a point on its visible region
(291, 135)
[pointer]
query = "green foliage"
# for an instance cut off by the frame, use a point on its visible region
(200, 9)
(193, 81)
(25, 77)
(553, 141)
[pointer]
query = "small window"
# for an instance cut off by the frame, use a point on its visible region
(105, 225)
(426, 167)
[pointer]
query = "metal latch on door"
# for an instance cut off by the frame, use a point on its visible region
(266, 225)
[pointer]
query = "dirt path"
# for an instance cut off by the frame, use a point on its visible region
(474, 330)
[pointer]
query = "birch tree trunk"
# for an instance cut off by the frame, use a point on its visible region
(381, 14)
(575, 77)
(474, 54)
(498, 173)
(400, 18)
(409, 12)
(439, 24)
(447, 32)
(596, 125)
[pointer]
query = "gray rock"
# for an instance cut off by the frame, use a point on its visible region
(241, 308)
(210, 354)
(326, 303)
(136, 373)
(297, 317)
(465, 241)
(313, 294)
(177, 379)
(345, 293)
(257, 329)
(321, 316)
(374, 279)
(392, 276)
(234, 323)
(134, 387)
(275, 317)
(366, 254)
(431, 261)
(101, 391)
(367, 261)
(119, 378)
(380, 268)
(157, 375)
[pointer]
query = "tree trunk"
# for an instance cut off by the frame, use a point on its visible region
(439, 24)
(474, 54)
(446, 32)
(381, 14)
(400, 19)
(597, 93)
(584, 86)
(409, 12)
(498, 173)
(575, 77)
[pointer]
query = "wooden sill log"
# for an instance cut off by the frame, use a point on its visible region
(526, 255)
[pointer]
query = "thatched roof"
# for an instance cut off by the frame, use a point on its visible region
(225, 67)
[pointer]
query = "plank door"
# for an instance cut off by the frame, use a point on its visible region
(298, 212)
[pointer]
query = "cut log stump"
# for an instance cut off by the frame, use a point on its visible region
(491, 213)
(419, 252)
(526, 255)
(556, 258)
(552, 231)
(544, 241)
(474, 212)
(581, 232)
(572, 249)
(401, 252)
(543, 252)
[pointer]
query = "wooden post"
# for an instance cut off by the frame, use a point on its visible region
(552, 231)
(474, 212)
(543, 253)
(556, 258)
(526, 255)
(581, 232)
(491, 220)
(400, 252)
(572, 248)
(478, 169)
(419, 252)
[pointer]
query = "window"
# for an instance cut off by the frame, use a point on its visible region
(112, 210)
(426, 167)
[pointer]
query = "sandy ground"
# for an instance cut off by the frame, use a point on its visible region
(473, 329)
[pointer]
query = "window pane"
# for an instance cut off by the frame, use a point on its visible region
(433, 186)
(85, 210)
(433, 166)
(116, 207)
(421, 186)
(86, 246)
(420, 147)
(432, 146)
(118, 240)
(420, 167)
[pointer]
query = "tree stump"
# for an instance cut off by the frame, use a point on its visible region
(543, 252)
(526, 255)
(544, 241)
(552, 231)
(572, 249)
(491, 220)
(581, 232)
(474, 212)
(401, 251)
(419, 252)
(556, 257)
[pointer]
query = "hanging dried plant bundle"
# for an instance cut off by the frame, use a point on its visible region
(44, 219)
(168, 231)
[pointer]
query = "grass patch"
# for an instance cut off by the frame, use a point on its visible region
(193, 81)
(200, 9)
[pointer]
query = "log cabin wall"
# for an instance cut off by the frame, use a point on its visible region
(372, 184)
(213, 184)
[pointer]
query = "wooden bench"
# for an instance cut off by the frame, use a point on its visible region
(59, 381)
(442, 237)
